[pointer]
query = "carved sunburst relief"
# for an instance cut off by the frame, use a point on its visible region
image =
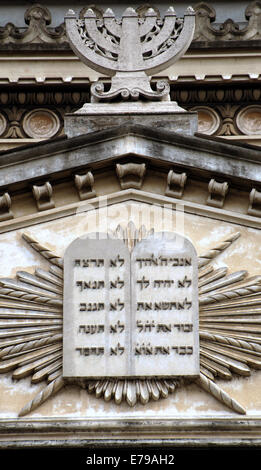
(31, 335)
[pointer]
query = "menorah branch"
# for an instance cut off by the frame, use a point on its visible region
(130, 50)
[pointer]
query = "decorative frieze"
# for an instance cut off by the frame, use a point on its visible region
(38, 18)
(207, 30)
(40, 114)
(217, 193)
(43, 196)
(175, 184)
(38, 30)
(84, 184)
(208, 119)
(248, 120)
(41, 124)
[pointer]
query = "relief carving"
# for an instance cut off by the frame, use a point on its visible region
(84, 184)
(218, 192)
(130, 49)
(37, 17)
(254, 207)
(38, 29)
(43, 196)
(131, 175)
(229, 341)
(5, 207)
(175, 184)
(207, 30)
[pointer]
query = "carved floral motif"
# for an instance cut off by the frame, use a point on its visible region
(38, 29)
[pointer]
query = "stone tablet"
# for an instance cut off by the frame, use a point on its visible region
(130, 314)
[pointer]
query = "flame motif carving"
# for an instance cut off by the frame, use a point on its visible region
(31, 315)
(131, 49)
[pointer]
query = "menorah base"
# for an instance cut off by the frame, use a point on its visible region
(129, 86)
(164, 115)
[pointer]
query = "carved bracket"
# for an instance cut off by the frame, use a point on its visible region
(84, 184)
(175, 184)
(43, 196)
(217, 194)
(131, 175)
(5, 205)
(254, 203)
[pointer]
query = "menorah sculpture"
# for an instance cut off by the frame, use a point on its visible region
(130, 49)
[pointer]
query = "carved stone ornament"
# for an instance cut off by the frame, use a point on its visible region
(43, 196)
(38, 19)
(130, 49)
(208, 119)
(175, 184)
(248, 120)
(5, 207)
(217, 193)
(38, 30)
(41, 124)
(207, 30)
(254, 207)
(229, 341)
(84, 184)
(131, 175)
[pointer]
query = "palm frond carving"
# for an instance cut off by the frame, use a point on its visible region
(31, 322)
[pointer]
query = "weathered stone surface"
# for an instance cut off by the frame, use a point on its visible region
(204, 156)
(131, 315)
(163, 115)
(129, 50)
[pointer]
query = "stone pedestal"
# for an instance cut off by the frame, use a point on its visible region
(159, 115)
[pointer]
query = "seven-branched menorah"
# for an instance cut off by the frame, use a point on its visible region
(130, 49)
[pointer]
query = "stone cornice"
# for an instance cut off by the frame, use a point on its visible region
(204, 156)
(38, 172)
(105, 433)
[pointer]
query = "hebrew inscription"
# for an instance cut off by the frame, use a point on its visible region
(131, 314)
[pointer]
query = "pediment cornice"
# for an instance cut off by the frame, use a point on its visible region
(43, 179)
(203, 157)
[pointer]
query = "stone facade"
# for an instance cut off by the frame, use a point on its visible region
(130, 170)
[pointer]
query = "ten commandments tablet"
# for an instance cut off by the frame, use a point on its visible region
(131, 314)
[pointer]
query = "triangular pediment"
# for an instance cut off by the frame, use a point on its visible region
(208, 173)
(159, 148)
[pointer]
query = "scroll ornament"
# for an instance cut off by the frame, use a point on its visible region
(31, 313)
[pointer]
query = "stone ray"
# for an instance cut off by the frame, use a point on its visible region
(212, 253)
(9, 333)
(54, 367)
(219, 394)
(52, 388)
(217, 369)
(43, 251)
(47, 276)
(54, 375)
(211, 276)
(236, 366)
(29, 344)
(26, 370)
(226, 281)
(33, 280)
(23, 359)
